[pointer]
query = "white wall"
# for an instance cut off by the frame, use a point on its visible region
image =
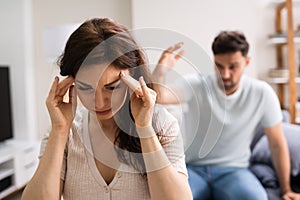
(203, 20)
(21, 43)
(47, 14)
(16, 52)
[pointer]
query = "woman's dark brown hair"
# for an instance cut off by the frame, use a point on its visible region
(106, 41)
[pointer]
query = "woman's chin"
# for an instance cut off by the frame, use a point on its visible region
(104, 117)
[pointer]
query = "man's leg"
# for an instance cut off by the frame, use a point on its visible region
(198, 183)
(237, 183)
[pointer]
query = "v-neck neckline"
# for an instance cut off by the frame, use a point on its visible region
(90, 155)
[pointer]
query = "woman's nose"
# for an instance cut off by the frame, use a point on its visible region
(100, 100)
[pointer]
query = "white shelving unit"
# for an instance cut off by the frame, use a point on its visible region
(281, 80)
(286, 37)
(18, 162)
(6, 170)
(282, 40)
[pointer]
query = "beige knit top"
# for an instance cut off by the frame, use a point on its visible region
(82, 180)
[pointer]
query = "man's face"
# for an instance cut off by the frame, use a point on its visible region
(229, 68)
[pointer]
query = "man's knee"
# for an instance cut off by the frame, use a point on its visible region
(241, 184)
(250, 193)
(241, 192)
(232, 184)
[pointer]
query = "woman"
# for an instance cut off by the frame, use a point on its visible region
(120, 145)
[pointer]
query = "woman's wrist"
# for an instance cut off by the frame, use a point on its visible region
(145, 131)
(156, 160)
(60, 131)
(58, 139)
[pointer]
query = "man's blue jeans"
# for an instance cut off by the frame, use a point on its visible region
(224, 183)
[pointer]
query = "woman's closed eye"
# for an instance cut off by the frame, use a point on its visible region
(84, 88)
(113, 87)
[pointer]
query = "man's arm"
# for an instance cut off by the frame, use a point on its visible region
(168, 59)
(168, 95)
(281, 159)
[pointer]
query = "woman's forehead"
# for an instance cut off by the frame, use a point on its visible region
(98, 74)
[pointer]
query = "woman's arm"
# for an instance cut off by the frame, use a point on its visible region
(163, 180)
(46, 182)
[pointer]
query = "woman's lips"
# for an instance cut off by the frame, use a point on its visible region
(104, 112)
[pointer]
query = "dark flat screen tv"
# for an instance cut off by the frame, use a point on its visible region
(6, 128)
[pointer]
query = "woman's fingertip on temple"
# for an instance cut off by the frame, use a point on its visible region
(122, 74)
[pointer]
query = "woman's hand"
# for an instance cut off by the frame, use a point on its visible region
(142, 102)
(61, 113)
(142, 105)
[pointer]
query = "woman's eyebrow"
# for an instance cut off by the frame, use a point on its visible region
(108, 84)
(82, 83)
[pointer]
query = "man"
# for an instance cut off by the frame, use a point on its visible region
(231, 105)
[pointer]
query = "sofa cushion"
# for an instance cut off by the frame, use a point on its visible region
(261, 152)
(265, 174)
(295, 183)
(259, 131)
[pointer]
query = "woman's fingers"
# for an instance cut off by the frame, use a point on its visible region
(51, 100)
(63, 86)
(73, 98)
(144, 87)
(71, 94)
(59, 89)
(149, 96)
(53, 89)
(139, 87)
(133, 84)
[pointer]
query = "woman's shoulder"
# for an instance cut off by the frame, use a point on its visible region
(163, 121)
(160, 114)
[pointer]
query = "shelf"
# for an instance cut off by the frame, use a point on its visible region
(18, 161)
(5, 173)
(8, 191)
(286, 37)
(281, 80)
(282, 40)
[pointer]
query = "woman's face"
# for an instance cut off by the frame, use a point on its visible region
(101, 90)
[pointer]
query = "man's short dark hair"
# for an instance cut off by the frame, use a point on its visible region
(230, 42)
